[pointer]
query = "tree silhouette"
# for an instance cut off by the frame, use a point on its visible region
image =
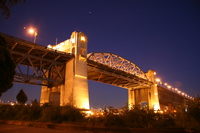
(5, 5)
(21, 97)
(7, 67)
(194, 109)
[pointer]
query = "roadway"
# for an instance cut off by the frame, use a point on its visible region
(6, 128)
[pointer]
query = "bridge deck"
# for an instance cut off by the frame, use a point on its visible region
(35, 64)
(19, 46)
(102, 73)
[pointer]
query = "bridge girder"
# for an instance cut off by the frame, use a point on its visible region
(105, 74)
(35, 64)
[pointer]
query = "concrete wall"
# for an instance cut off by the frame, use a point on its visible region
(74, 91)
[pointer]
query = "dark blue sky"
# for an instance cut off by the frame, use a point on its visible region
(160, 35)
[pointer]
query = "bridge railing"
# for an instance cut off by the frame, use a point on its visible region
(173, 89)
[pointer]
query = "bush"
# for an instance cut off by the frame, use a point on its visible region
(113, 120)
(138, 118)
(72, 114)
(44, 114)
(50, 114)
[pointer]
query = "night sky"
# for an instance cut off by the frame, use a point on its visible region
(162, 35)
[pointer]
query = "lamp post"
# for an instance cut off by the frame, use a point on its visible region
(34, 32)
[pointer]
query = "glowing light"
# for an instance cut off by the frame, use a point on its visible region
(73, 40)
(83, 38)
(85, 105)
(165, 84)
(33, 31)
(169, 87)
(154, 73)
(157, 80)
(156, 107)
(62, 43)
(80, 76)
(161, 112)
(50, 46)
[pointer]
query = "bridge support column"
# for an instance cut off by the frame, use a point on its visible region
(131, 98)
(50, 95)
(153, 92)
(141, 97)
(45, 93)
(74, 90)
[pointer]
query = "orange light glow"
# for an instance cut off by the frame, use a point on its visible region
(169, 87)
(31, 31)
(157, 80)
(83, 38)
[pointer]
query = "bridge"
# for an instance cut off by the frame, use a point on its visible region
(63, 71)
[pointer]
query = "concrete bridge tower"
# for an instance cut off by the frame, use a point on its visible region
(147, 95)
(153, 99)
(74, 91)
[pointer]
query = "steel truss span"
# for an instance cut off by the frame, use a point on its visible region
(112, 69)
(118, 63)
(35, 64)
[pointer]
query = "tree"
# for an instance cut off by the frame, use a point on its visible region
(35, 103)
(194, 109)
(21, 97)
(5, 5)
(7, 67)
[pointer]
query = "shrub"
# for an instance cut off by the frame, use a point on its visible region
(50, 114)
(72, 114)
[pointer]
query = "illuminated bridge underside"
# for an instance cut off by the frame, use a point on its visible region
(35, 64)
(105, 74)
(169, 98)
(118, 63)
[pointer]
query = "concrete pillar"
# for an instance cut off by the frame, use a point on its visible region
(153, 92)
(74, 91)
(154, 102)
(131, 98)
(45, 93)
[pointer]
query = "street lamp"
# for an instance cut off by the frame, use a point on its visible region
(34, 32)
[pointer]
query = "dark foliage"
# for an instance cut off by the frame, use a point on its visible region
(66, 113)
(7, 67)
(194, 109)
(21, 97)
(139, 118)
(135, 118)
(19, 112)
(6, 4)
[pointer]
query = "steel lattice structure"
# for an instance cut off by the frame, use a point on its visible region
(35, 64)
(112, 69)
(117, 62)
